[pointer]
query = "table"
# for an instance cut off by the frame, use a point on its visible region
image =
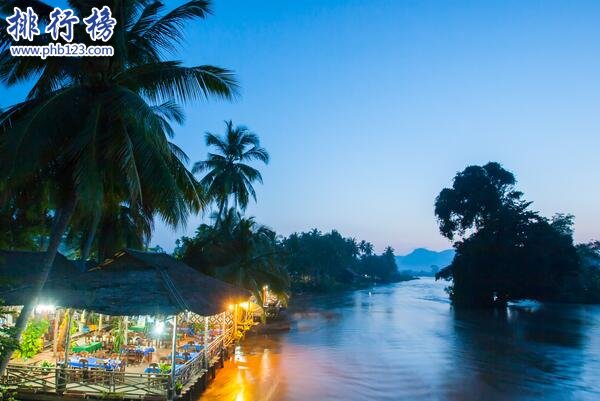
(196, 346)
(95, 363)
(137, 329)
(145, 350)
(91, 347)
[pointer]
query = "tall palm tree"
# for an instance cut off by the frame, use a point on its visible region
(97, 129)
(228, 174)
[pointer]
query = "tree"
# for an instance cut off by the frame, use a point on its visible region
(25, 219)
(228, 174)
(587, 288)
(238, 251)
(96, 130)
(366, 248)
(505, 251)
(7, 334)
(322, 262)
(120, 227)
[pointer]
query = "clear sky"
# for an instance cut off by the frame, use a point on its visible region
(369, 108)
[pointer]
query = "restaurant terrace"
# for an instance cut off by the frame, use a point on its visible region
(117, 330)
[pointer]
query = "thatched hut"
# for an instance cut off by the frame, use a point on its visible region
(129, 283)
(200, 310)
(19, 270)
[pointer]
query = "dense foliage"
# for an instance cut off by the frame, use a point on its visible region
(587, 289)
(242, 252)
(7, 341)
(32, 339)
(506, 251)
(318, 261)
(239, 251)
(24, 221)
(97, 130)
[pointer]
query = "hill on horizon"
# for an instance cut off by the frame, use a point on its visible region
(422, 259)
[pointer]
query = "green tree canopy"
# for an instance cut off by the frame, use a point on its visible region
(323, 261)
(239, 251)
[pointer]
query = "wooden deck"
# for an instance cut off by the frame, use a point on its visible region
(42, 383)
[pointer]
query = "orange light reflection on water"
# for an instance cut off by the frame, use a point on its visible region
(251, 375)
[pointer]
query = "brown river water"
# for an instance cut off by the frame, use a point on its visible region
(405, 342)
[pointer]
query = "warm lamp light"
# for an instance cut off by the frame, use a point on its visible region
(230, 306)
(45, 308)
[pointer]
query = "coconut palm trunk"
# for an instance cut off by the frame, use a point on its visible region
(61, 221)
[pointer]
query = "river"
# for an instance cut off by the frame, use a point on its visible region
(405, 342)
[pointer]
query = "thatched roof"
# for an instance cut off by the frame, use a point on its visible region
(143, 283)
(19, 270)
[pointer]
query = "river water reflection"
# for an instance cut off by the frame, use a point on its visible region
(405, 342)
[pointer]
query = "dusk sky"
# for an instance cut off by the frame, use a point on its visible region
(369, 108)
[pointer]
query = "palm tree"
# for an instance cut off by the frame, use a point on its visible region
(96, 130)
(228, 174)
(366, 248)
(239, 251)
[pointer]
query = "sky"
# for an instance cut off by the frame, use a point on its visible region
(369, 108)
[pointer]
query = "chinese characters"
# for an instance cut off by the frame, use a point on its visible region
(23, 24)
(99, 24)
(60, 19)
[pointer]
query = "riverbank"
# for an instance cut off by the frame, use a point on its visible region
(299, 289)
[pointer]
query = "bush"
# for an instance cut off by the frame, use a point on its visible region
(32, 341)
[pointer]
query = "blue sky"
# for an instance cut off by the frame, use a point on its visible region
(369, 108)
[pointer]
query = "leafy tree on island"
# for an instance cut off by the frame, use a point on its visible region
(505, 251)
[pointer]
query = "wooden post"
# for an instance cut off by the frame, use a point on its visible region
(55, 334)
(206, 341)
(235, 321)
(173, 352)
(125, 336)
(81, 322)
(223, 323)
(68, 339)
(100, 322)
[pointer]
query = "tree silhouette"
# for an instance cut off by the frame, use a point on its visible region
(228, 172)
(505, 251)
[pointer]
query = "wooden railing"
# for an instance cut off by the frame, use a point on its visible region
(198, 365)
(94, 382)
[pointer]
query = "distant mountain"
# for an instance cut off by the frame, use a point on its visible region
(422, 260)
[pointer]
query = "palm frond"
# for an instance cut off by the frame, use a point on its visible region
(166, 32)
(164, 81)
